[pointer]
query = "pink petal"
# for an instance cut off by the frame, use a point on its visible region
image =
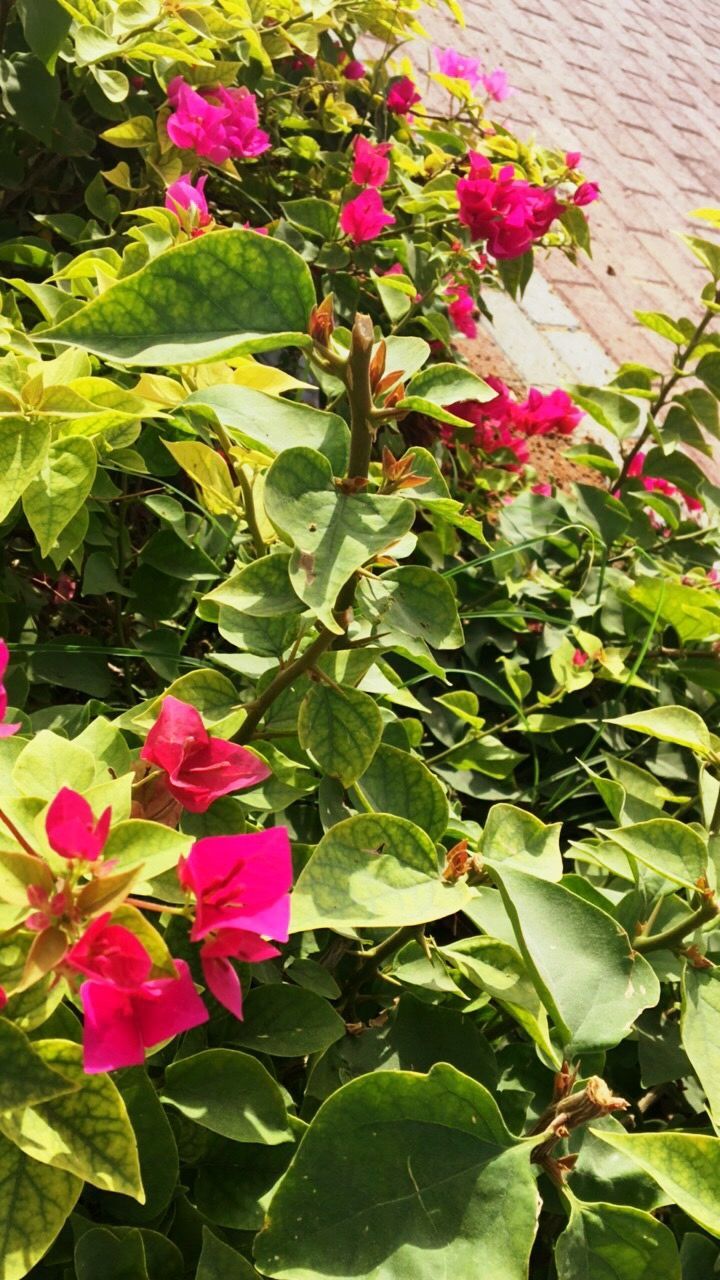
(224, 982)
(178, 727)
(111, 1035)
(166, 1006)
(110, 952)
(71, 828)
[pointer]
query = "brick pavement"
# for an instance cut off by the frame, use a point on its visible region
(635, 86)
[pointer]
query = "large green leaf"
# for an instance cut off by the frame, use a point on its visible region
(138, 842)
(581, 960)
(614, 1242)
(35, 1201)
(373, 869)
(86, 1132)
(235, 1180)
(397, 782)
(59, 489)
(495, 967)
(157, 1151)
(252, 417)
(404, 1176)
(413, 603)
(670, 724)
(261, 588)
(514, 835)
(701, 1030)
(100, 1252)
(685, 1165)
(287, 1021)
(219, 1261)
(333, 532)
(341, 729)
(26, 1077)
(445, 384)
(218, 295)
(230, 1093)
(673, 849)
(24, 443)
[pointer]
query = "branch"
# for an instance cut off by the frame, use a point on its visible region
(672, 937)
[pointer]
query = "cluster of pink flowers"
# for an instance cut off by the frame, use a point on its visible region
(508, 212)
(505, 423)
(402, 96)
(238, 887)
(6, 730)
(461, 309)
(459, 67)
(216, 123)
(365, 216)
(352, 68)
(656, 484)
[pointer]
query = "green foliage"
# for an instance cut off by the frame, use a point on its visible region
(238, 471)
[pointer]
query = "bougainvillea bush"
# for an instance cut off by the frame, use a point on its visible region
(359, 789)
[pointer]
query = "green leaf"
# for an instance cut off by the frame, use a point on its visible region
(86, 1132)
(50, 762)
(513, 835)
(403, 1176)
(495, 967)
(685, 1165)
(701, 1030)
(261, 588)
(24, 444)
(673, 849)
(614, 1242)
(670, 724)
(59, 489)
(424, 1034)
(443, 384)
(334, 533)
(662, 324)
(35, 1201)
(397, 782)
(287, 1022)
(373, 869)
(99, 1251)
(219, 295)
(581, 960)
(253, 418)
(218, 1261)
(230, 1093)
(26, 1078)
(317, 217)
(235, 1179)
(341, 729)
(617, 413)
(151, 845)
(157, 1150)
(45, 24)
(413, 603)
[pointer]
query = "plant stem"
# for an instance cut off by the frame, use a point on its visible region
(666, 386)
(673, 936)
(285, 677)
(245, 487)
(18, 836)
(372, 959)
(155, 906)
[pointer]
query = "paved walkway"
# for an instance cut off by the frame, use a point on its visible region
(635, 86)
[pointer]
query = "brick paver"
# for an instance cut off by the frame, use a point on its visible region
(635, 86)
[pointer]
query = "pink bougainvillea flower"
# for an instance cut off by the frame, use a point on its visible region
(72, 830)
(579, 659)
(127, 1012)
(573, 159)
(397, 269)
(122, 1022)
(199, 768)
(461, 309)
(241, 885)
(244, 138)
(6, 730)
(586, 193)
(364, 217)
(195, 124)
(354, 70)
(553, 414)
(370, 163)
(658, 484)
(216, 123)
(496, 85)
(402, 96)
(240, 882)
(186, 197)
(508, 212)
(458, 67)
(220, 975)
(542, 490)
